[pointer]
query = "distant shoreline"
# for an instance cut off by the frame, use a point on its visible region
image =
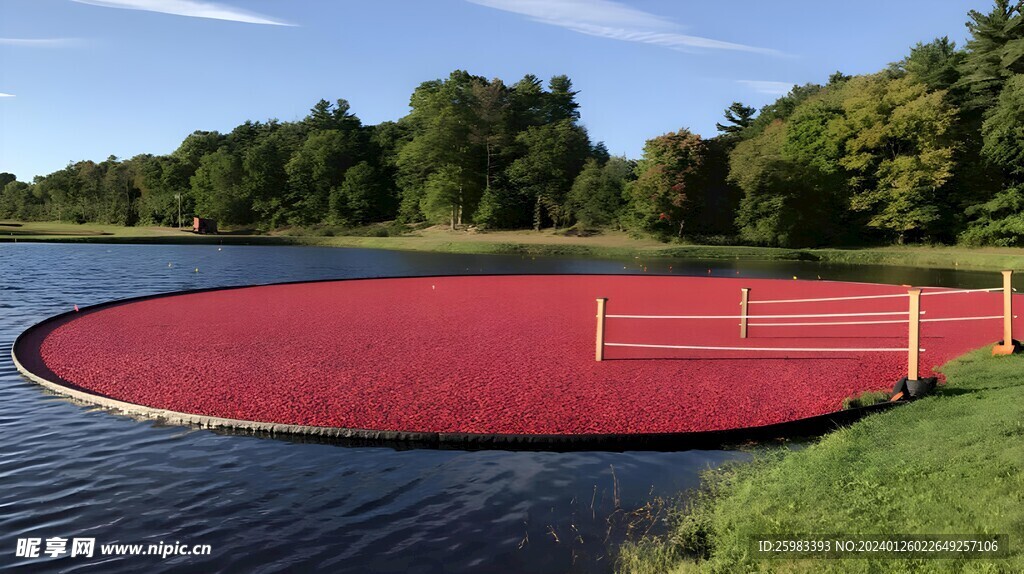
(608, 245)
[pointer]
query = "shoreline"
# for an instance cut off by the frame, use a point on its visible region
(609, 245)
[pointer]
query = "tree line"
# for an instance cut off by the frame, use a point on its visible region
(471, 150)
(930, 149)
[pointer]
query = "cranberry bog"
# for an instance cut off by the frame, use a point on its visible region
(505, 360)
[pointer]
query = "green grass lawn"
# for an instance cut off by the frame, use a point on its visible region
(64, 231)
(952, 463)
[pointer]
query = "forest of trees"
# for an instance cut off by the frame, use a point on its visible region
(930, 149)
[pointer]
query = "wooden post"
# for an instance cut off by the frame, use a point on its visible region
(744, 301)
(914, 335)
(599, 349)
(1007, 308)
(1007, 348)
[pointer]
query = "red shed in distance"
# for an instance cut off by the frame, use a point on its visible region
(202, 225)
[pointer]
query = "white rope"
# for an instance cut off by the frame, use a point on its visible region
(963, 318)
(828, 323)
(781, 349)
(852, 298)
(872, 322)
(754, 316)
(825, 299)
(962, 291)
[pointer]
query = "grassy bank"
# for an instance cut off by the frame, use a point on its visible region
(952, 463)
(612, 245)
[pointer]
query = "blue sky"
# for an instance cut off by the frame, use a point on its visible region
(84, 79)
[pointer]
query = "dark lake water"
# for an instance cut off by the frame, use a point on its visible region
(268, 505)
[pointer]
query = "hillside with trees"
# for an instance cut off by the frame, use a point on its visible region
(928, 150)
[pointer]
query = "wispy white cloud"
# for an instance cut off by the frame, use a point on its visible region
(38, 42)
(608, 19)
(3, 95)
(768, 87)
(191, 8)
(568, 12)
